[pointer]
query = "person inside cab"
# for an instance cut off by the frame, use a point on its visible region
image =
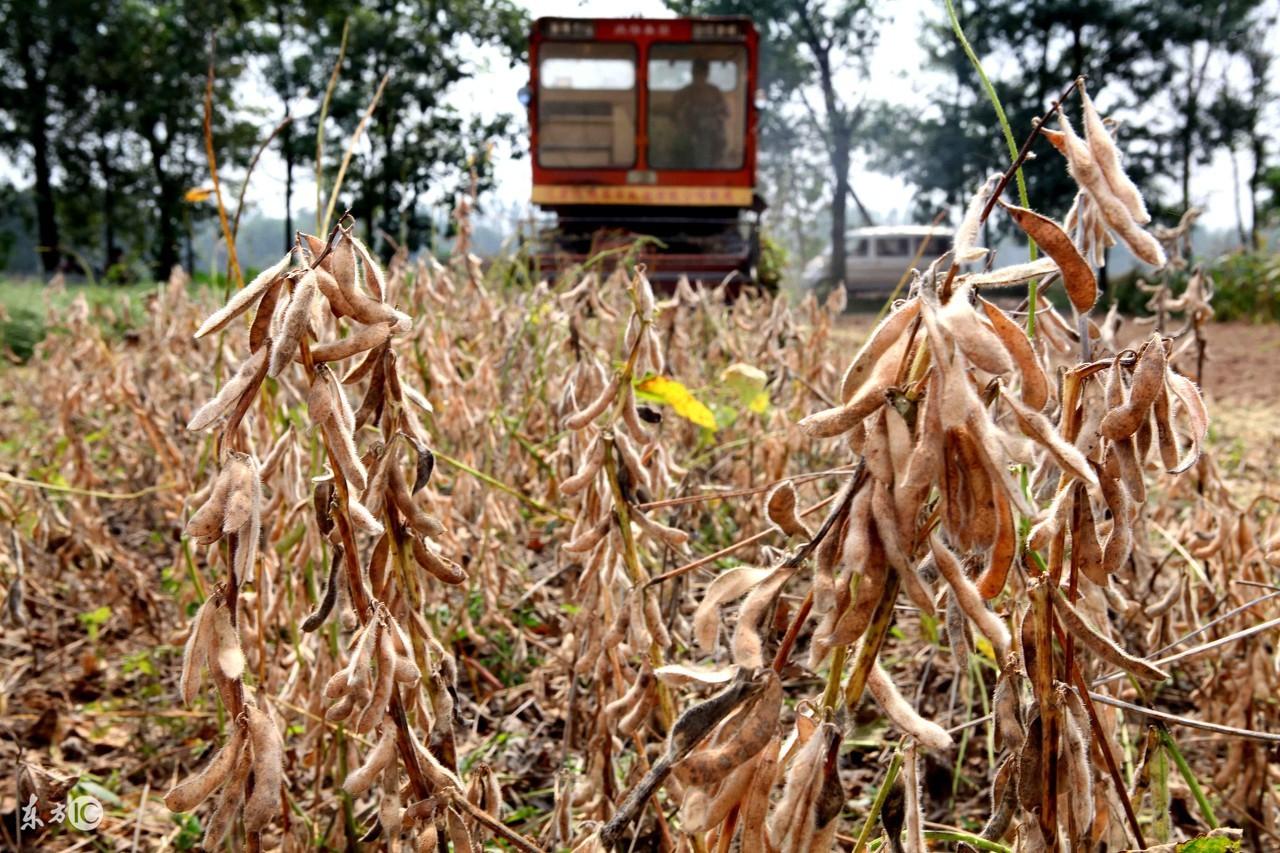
(701, 116)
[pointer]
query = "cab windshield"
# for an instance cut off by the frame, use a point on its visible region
(697, 106)
(587, 105)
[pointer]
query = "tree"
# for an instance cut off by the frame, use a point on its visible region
(812, 53)
(418, 145)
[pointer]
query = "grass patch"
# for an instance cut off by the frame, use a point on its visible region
(29, 309)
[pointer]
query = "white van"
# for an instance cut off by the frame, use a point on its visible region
(877, 257)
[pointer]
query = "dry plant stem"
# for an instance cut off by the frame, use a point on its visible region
(232, 261)
(351, 147)
(729, 549)
(491, 823)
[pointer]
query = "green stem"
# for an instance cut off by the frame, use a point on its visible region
(1033, 288)
(881, 795)
(964, 838)
(1196, 791)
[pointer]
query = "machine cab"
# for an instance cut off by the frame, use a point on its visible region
(647, 126)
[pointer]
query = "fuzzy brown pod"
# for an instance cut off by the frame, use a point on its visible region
(1077, 275)
(244, 297)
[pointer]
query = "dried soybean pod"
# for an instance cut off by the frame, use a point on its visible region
(373, 278)
(590, 467)
(422, 523)
(726, 587)
(383, 753)
(1035, 385)
(1198, 417)
(581, 418)
(913, 833)
(230, 392)
(1165, 437)
(967, 596)
(362, 340)
(1120, 541)
(226, 645)
(758, 724)
(958, 639)
(341, 709)
(297, 315)
(458, 834)
(328, 285)
(1075, 725)
(206, 522)
(1077, 275)
(1004, 800)
(322, 611)
(195, 789)
(854, 621)
(343, 448)
(887, 527)
(1107, 158)
(747, 646)
(389, 814)
(362, 658)
(264, 801)
(244, 297)
(977, 340)
(1003, 551)
(196, 651)
(1007, 710)
(755, 807)
(703, 811)
(588, 538)
(1148, 380)
(1038, 427)
(436, 564)
(1084, 540)
(876, 449)
(840, 419)
(1101, 646)
(239, 503)
(780, 504)
(899, 710)
(881, 339)
(384, 685)
(229, 799)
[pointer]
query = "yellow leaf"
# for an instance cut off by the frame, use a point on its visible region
(675, 395)
(984, 648)
(747, 383)
(195, 195)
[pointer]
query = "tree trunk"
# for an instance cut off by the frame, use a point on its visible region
(839, 208)
(1258, 144)
(286, 142)
(35, 111)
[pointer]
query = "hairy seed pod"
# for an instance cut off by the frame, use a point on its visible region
(389, 812)
(1119, 542)
(1035, 385)
(748, 645)
(343, 449)
(1197, 416)
(196, 651)
(756, 727)
(755, 805)
(1004, 550)
(854, 621)
(340, 710)
(726, 587)
(882, 338)
(1165, 436)
(1075, 729)
(239, 502)
(968, 598)
(228, 802)
(899, 710)
(205, 523)
(226, 645)
(383, 753)
(297, 315)
(373, 278)
(590, 467)
(362, 657)
(362, 518)
(1148, 380)
(1038, 427)
(244, 297)
(975, 338)
(965, 243)
(328, 285)
(913, 833)
(780, 504)
(958, 639)
(1077, 275)
(704, 809)
(195, 789)
(422, 523)
(383, 686)
(887, 527)
(634, 694)
(362, 340)
(840, 419)
(580, 419)
(264, 801)
(1007, 711)
(588, 538)
(1107, 157)
(325, 607)
(436, 564)
(636, 715)
(876, 449)
(1101, 646)
(1117, 217)
(229, 394)
(1085, 547)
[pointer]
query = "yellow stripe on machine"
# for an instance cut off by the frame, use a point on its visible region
(628, 194)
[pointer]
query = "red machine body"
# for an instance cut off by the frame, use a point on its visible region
(647, 127)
